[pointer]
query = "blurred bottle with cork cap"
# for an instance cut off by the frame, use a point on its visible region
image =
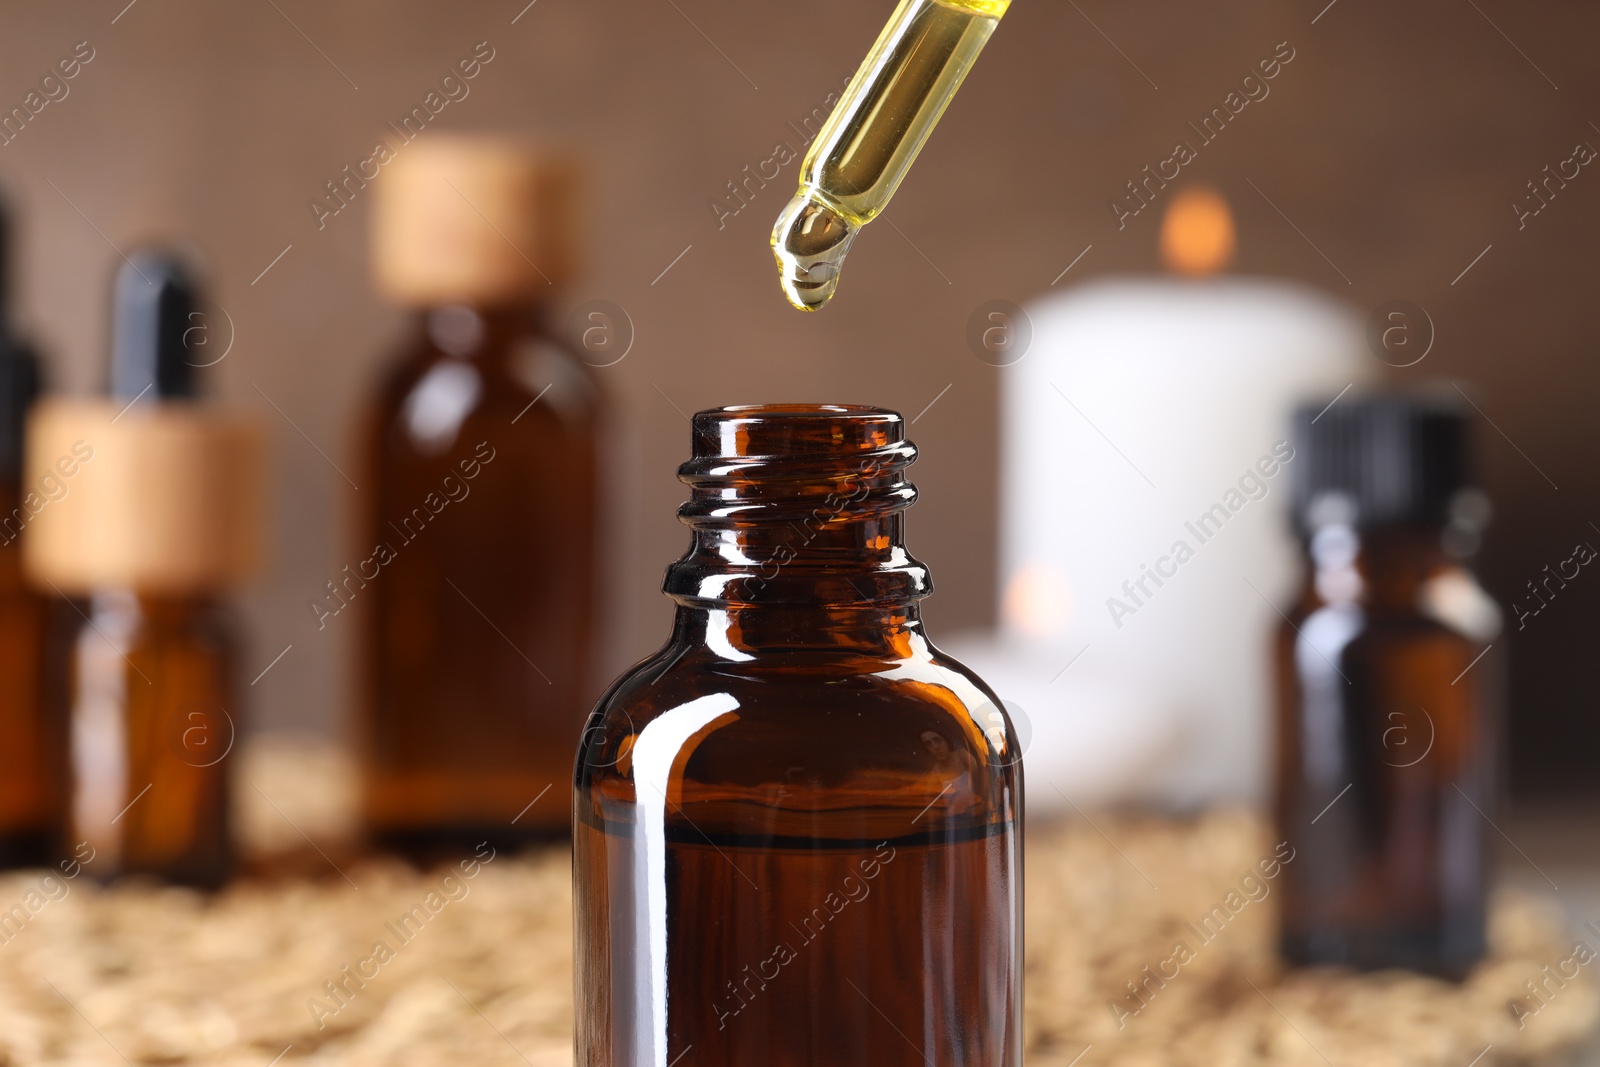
(163, 512)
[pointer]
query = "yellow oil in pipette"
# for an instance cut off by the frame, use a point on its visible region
(875, 132)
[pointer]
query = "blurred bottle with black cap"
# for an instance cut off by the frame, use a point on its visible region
(1388, 692)
(162, 515)
(33, 771)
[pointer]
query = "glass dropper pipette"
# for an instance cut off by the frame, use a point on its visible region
(875, 132)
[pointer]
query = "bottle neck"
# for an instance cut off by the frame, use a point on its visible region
(1384, 570)
(156, 611)
(743, 632)
(798, 533)
(480, 332)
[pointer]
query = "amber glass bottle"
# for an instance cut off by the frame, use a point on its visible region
(798, 825)
(475, 579)
(158, 514)
(1388, 705)
(33, 774)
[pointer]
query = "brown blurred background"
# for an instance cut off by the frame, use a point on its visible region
(1395, 142)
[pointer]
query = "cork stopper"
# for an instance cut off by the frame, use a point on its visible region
(167, 500)
(472, 220)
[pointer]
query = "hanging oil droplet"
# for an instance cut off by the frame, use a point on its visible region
(810, 241)
(874, 134)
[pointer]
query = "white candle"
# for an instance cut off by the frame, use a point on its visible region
(1144, 528)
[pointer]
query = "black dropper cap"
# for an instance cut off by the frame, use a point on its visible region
(155, 306)
(1382, 460)
(19, 368)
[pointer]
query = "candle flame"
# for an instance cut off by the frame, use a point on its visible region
(1197, 236)
(1037, 601)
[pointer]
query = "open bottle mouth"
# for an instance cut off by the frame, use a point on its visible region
(797, 503)
(781, 462)
(784, 430)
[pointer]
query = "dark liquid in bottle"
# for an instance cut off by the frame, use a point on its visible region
(1391, 761)
(855, 934)
(477, 588)
(155, 710)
